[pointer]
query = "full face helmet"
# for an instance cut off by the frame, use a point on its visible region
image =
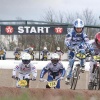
(30, 49)
(45, 48)
(58, 48)
(26, 58)
(55, 58)
(97, 39)
(78, 26)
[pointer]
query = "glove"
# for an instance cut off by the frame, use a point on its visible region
(82, 51)
(34, 79)
(41, 79)
(81, 46)
(61, 78)
(92, 52)
(14, 76)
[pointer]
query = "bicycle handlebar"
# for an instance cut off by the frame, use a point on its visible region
(17, 78)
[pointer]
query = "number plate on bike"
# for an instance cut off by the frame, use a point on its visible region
(96, 57)
(45, 56)
(52, 84)
(17, 55)
(22, 83)
(1, 52)
(80, 56)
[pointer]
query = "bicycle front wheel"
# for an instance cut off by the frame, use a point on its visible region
(75, 77)
(98, 78)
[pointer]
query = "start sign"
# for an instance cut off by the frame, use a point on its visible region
(33, 29)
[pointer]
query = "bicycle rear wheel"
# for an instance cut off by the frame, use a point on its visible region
(75, 77)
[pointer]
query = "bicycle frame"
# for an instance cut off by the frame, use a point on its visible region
(75, 76)
(76, 71)
(96, 76)
(45, 57)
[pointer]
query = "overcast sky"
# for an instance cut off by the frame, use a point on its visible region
(34, 9)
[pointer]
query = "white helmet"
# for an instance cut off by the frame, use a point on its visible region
(58, 48)
(78, 23)
(55, 58)
(26, 58)
(30, 48)
(45, 48)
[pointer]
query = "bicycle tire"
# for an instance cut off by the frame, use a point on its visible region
(98, 79)
(72, 81)
(91, 86)
(75, 76)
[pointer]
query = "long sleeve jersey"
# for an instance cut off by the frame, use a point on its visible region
(44, 52)
(94, 46)
(73, 38)
(54, 71)
(59, 52)
(25, 70)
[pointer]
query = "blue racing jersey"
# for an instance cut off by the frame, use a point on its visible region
(73, 38)
(54, 71)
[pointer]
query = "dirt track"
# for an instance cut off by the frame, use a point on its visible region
(11, 93)
(6, 80)
(37, 89)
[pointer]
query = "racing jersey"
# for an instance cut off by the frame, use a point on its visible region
(73, 38)
(95, 48)
(54, 71)
(17, 52)
(31, 52)
(44, 52)
(59, 52)
(21, 69)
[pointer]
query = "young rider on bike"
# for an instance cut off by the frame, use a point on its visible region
(44, 53)
(24, 69)
(72, 39)
(30, 50)
(96, 46)
(59, 52)
(55, 70)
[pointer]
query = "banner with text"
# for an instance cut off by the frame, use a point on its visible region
(32, 29)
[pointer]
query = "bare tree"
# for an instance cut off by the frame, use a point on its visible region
(89, 19)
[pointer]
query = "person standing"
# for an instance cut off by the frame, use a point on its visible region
(45, 54)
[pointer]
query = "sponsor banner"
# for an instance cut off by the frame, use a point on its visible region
(33, 29)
